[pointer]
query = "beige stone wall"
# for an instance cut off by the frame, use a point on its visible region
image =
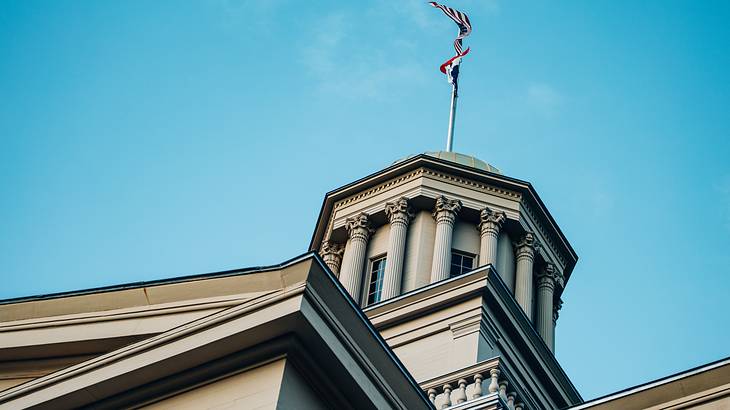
(296, 393)
(378, 244)
(419, 251)
(439, 342)
(506, 258)
(466, 237)
(722, 403)
(257, 388)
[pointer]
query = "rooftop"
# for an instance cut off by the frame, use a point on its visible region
(462, 159)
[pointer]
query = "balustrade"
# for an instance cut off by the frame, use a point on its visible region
(471, 383)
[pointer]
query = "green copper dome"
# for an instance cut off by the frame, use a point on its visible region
(462, 159)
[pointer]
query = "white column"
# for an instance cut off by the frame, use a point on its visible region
(353, 261)
(331, 253)
(445, 215)
(525, 255)
(490, 223)
(546, 281)
(400, 215)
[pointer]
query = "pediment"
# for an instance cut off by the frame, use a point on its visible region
(308, 320)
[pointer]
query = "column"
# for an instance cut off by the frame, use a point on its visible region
(400, 215)
(353, 261)
(331, 253)
(490, 223)
(546, 282)
(445, 215)
(525, 255)
(556, 308)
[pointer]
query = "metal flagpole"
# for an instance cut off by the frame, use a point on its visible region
(452, 117)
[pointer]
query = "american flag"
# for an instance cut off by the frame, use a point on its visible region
(461, 20)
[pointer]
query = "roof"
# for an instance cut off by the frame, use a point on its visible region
(683, 386)
(301, 312)
(458, 158)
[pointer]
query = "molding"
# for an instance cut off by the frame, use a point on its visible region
(466, 326)
(547, 237)
(136, 312)
(454, 180)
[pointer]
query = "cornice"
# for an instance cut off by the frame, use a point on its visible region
(421, 301)
(378, 188)
(423, 171)
(548, 237)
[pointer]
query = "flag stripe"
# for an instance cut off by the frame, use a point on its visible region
(451, 66)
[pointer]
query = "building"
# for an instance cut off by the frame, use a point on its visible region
(435, 282)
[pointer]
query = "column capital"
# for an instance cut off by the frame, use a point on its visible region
(491, 221)
(359, 226)
(549, 276)
(330, 248)
(399, 211)
(556, 309)
(331, 253)
(446, 209)
(527, 246)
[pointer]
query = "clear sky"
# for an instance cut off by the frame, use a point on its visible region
(145, 140)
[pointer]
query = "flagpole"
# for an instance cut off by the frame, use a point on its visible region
(452, 118)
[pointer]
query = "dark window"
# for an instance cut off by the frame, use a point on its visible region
(377, 269)
(461, 263)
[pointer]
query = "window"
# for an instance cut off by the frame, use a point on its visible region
(377, 269)
(461, 262)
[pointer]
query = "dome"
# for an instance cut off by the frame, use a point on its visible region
(461, 159)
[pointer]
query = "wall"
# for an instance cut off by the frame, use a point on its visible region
(466, 238)
(257, 388)
(506, 260)
(419, 252)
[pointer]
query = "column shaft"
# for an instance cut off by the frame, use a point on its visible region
(354, 258)
(400, 216)
(441, 266)
(489, 227)
(445, 214)
(545, 292)
(525, 254)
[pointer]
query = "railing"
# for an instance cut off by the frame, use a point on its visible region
(471, 383)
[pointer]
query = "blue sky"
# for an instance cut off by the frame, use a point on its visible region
(145, 140)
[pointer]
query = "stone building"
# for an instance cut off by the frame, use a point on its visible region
(435, 282)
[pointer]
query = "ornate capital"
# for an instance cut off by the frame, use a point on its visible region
(527, 246)
(331, 248)
(556, 308)
(548, 276)
(331, 253)
(399, 211)
(491, 221)
(359, 227)
(446, 209)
